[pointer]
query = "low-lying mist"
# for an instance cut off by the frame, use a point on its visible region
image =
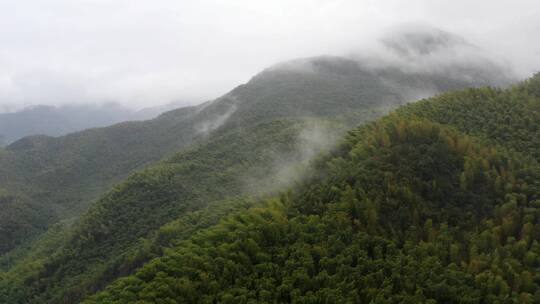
(287, 168)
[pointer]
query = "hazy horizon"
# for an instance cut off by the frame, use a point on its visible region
(138, 54)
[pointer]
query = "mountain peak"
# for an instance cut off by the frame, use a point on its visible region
(414, 40)
(414, 48)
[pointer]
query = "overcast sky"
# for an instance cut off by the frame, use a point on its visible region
(143, 53)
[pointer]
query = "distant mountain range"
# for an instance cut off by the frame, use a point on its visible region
(61, 120)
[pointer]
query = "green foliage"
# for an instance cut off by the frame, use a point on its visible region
(506, 118)
(406, 210)
(331, 86)
(18, 220)
(125, 228)
(63, 176)
(532, 85)
(387, 221)
(398, 213)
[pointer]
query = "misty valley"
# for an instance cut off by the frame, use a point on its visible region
(404, 173)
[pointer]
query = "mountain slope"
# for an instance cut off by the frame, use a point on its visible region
(406, 210)
(186, 183)
(508, 118)
(431, 175)
(223, 146)
(61, 176)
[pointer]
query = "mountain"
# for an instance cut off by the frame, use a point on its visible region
(62, 120)
(429, 204)
(178, 173)
(56, 121)
(86, 164)
(427, 50)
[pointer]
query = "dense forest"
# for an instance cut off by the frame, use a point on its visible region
(195, 187)
(54, 179)
(84, 214)
(243, 152)
(436, 202)
(57, 178)
(429, 204)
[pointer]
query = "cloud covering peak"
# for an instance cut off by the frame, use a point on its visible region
(142, 53)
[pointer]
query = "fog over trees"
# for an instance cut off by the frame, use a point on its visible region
(269, 152)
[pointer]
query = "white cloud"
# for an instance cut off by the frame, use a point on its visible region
(143, 53)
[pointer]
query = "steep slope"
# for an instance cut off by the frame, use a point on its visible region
(106, 242)
(405, 210)
(326, 86)
(431, 176)
(226, 140)
(61, 176)
(508, 118)
(19, 219)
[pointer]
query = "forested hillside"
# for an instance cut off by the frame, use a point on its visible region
(115, 235)
(65, 119)
(57, 178)
(67, 233)
(428, 204)
(453, 198)
(244, 152)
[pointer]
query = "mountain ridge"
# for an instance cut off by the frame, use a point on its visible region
(406, 209)
(107, 155)
(174, 167)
